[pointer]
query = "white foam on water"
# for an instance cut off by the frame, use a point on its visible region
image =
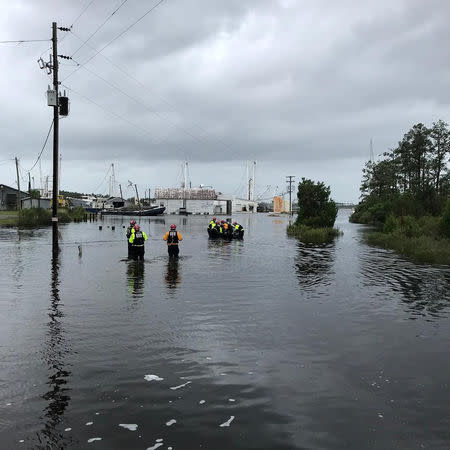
(68, 429)
(129, 426)
(89, 423)
(228, 422)
(97, 413)
(171, 422)
(208, 357)
(159, 440)
(250, 373)
(21, 440)
(202, 401)
(8, 404)
(231, 400)
(153, 378)
(174, 388)
(158, 444)
(380, 415)
(169, 448)
(223, 374)
(94, 439)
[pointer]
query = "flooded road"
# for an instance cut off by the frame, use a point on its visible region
(260, 344)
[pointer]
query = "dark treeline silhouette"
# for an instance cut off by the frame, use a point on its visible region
(412, 179)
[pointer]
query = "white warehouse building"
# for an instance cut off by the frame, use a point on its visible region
(201, 201)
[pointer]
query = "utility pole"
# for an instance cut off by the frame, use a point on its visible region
(120, 188)
(290, 180)
(55, 248)
(19, 206)
(137, 196)
(29, 183)
(53, 100)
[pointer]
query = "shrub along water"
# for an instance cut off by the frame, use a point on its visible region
(316, 214)
(34, 217)
(406, 195)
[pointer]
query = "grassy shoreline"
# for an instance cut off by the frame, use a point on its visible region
(421, 249)
(309, 235)
(36, 217)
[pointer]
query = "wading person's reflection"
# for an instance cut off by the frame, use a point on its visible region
(172, 277)
(135, 277)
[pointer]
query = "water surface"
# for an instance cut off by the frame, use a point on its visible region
(284, 345)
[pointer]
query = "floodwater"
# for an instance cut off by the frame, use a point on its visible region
(259, 344)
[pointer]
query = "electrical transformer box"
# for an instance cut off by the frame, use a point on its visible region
(52, 99)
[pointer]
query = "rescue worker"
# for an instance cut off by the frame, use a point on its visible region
(137, 240)
(238, 230)
(128, 234)
(226, 229)
(173, 237)
(212, 222)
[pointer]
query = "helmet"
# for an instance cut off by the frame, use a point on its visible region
(173, 227)
(234, 223)
(222, 221)
(137, 227)
(214, 218)
(132, 222)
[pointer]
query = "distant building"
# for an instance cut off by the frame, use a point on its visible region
(201, 201)
(29, 202)
(280, 205)
(8, 197)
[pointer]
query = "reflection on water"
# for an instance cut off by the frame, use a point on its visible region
(55, 352)
(313, 264)
(424, 289)
(172, 277)
(135, 278)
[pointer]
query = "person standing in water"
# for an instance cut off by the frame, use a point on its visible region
(173, 237)
(137, 240)
(130, 229)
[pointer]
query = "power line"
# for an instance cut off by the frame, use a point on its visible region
(21, 41)
(81, 13)
(98, 28)
(43, 147)
(117, 37)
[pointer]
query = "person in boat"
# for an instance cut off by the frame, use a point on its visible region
(137, 240)
(173, 237)
(238, 230)
(212, 222)
(130, 229)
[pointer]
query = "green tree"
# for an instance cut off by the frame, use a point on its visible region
(315, 208)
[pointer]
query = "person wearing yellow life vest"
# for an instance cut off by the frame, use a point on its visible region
(128, 234)
(212, 223)
(173, 237)
(137, 240)
(238, 230)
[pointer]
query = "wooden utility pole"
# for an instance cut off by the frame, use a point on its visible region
(55, 247)
(19, 206)
(120, 188)
(137, 196)
(290, 180)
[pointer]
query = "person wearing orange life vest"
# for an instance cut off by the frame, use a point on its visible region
(137, 240)
(173, 237)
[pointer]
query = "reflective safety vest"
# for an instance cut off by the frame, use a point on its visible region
(137, 238)
(172, 239)
(129, 231)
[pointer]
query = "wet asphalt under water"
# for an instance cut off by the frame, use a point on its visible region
(260, 344)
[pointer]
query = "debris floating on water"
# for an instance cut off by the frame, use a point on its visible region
(174, 388)
(202, 401)
(153, 378)
(231, 400)
(129, 426)
(159, 440)
(94, 439)
(68, 429)
(171, 422)
(228, 422)
(89, 423)
(158, 444)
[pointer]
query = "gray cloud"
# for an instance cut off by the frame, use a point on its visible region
(291, 84)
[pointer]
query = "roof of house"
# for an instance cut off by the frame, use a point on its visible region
(2, 186)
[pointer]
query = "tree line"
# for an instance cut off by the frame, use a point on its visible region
(411, 179)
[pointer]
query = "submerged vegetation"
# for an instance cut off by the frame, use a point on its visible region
(316, 214)
(406, 196)
(34, 217)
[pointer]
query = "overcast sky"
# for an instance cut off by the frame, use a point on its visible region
(299, 86)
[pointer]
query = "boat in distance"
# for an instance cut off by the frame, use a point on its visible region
(153, 211)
